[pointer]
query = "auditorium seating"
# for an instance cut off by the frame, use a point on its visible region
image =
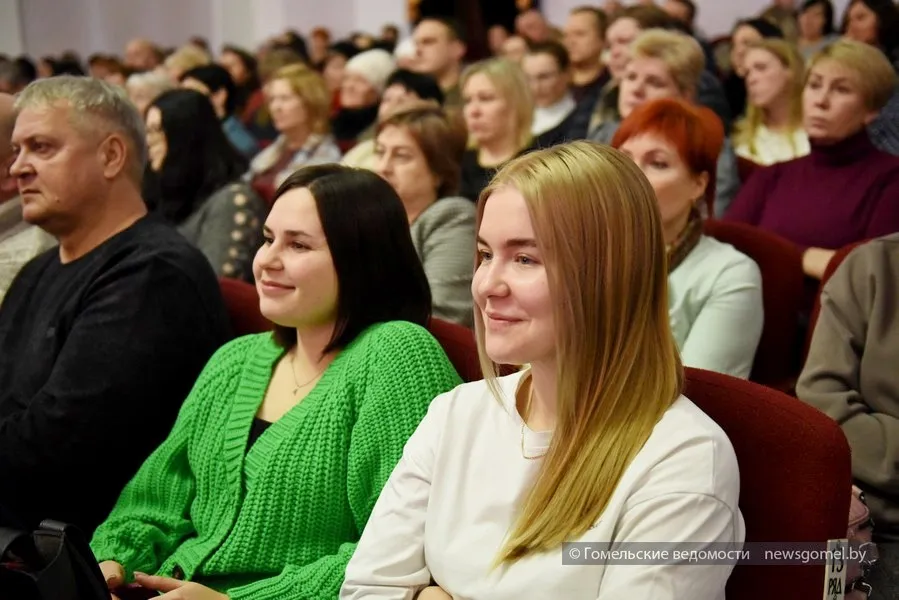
(795, 477)
(780, 262)
(242, 302)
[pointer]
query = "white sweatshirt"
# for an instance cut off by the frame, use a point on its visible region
(449, 504)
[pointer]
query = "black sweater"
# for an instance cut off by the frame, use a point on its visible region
(96, 357)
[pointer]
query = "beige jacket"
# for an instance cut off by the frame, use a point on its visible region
(852, 371)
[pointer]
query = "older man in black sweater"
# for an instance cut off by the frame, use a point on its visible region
(101, 338)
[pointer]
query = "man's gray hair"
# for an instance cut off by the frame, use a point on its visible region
(93, 104)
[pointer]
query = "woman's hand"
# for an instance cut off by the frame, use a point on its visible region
(114, 574)
(433, 593)
(175, 589)
(814, 261)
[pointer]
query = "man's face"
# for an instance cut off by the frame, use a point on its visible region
(58, 168)
(436, 50)
(140, 56)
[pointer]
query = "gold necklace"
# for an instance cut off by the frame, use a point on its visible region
(293, 372)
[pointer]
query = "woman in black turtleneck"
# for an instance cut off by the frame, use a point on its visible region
(360, 94)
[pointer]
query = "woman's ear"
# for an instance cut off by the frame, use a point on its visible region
(701, 182)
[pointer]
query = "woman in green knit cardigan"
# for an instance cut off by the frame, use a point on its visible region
(264, 485)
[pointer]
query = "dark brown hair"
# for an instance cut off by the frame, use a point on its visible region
(379, 274)
(440, 137)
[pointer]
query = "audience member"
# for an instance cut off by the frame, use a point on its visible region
(816, 29)
(624, 28)
(498, 114)
(335, 63)
(666, 64)
(402, 87)
(183, 60)
(714, 291)
(243, 69)
(142, 55)
(214, 82)
(102, 338)
(193, 182)
(514, 49)
(496, 35)
(46, 66)
(593, 441)
(320, 39)
(620, 35)
(293, 41)
(299, 103)
(20, 241)
(772, 131)
(144, 87)
(874, 22)
(441, 47)
(287, 438)
(390, 36)
(782, 13)
(418, 151)
(261, 125)
(850, 375)
(611, 7)
(532, 26)
(846, 189)
(546, 68)
(584, 38)
(364, 78)
(13, 77)
(200, 42)
(681, 10)
(745, 34)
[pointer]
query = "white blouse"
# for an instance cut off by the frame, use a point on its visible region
(452, 499)
(775, 146)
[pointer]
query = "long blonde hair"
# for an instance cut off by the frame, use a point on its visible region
(510, 81)
(788, 56)
(598, 226)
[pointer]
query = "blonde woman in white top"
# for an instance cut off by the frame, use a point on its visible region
(772, 132)
(592, 442)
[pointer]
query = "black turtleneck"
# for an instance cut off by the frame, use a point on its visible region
(839, 194)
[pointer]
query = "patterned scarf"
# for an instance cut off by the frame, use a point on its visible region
(686, 241)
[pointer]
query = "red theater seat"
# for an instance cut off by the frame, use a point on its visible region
(780, 263)
(242, 302)
(795, 477)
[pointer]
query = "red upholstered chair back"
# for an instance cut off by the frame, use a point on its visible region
(462, 349)
(780, 263)
(460, 346)
(242, 302)
(795, 477)
(835, 261)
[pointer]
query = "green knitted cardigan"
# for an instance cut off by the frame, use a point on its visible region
(282, 520)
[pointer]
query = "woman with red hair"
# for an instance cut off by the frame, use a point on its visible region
(714, 291)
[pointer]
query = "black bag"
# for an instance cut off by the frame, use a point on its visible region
(53, 563)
